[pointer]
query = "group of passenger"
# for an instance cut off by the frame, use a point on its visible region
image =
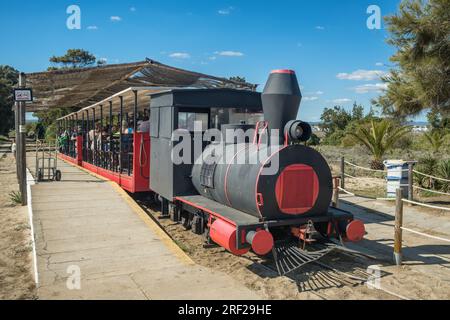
(103, 142)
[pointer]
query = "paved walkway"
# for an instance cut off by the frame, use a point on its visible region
(89, 225)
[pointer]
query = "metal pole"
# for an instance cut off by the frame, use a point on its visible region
(342, 172)
(83, 136)
(135, 110)
(77, 133)
(22, 148)
(101, 137)
(16, 138)
(111, 144)
(95, 137)
(410, 183)
(120, 141)
(87, 143)
(398, 227)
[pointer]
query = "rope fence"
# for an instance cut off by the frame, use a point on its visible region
(364, 168)
(425, 205)
(429, 176)
(425, 235)
(398, 226)
(399, 208)
(382, 180)
(432, 191)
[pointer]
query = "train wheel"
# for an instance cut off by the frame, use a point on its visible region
(186, 221)
(156, 198)
(322, 229)
(58, 175)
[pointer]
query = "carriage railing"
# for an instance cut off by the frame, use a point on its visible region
(106, 153)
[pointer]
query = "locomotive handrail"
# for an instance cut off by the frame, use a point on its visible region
(257, 129)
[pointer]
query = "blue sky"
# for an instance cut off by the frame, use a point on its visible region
(338, 60)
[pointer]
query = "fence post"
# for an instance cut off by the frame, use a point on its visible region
(342, 172)
(335, 202)
(398, 227)
(410, 183)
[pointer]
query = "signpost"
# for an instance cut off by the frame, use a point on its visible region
(21, 96)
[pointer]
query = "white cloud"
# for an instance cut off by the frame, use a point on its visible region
(320, 28)
(317, 93)
(366, 88)
(212, 58)
(379, 64)
(92, 28)
(310, 98)
(115, 18)
(226, 11)
(229, 53)
(180, 55)
(361, 75)
(342, 100)
(133, 9)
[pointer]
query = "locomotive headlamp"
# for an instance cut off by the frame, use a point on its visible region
(298, 131)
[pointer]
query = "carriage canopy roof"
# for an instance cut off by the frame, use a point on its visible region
(89, 87)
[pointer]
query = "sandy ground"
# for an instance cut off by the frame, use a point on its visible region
(16, 280)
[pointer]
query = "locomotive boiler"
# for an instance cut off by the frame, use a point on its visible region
(246, 193)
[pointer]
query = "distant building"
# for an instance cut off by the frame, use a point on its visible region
(420, 128)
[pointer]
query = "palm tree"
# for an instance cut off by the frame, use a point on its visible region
(379, 139)
(435, 139)
(443, 171)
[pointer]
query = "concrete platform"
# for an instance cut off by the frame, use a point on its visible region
(90, 225)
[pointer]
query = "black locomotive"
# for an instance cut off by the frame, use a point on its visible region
(243, 192)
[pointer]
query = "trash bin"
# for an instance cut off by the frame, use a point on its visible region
(397, 177)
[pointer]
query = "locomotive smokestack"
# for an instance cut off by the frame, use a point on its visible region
(281, 101)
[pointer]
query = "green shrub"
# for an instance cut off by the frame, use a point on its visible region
(425, 165)
(314, 140)
(50, 133)
(334, 139)
(15, 197)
